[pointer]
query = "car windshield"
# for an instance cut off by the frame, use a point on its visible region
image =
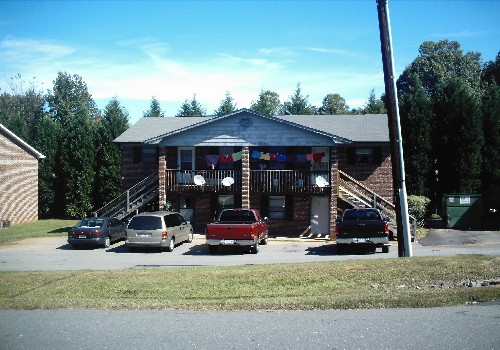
(354, 215)
(145, 223)
(90, 223)
(237, 215)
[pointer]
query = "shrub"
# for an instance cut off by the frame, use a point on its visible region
(418, 206)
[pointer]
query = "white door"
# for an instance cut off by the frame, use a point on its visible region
(320, 215)
(185, 163)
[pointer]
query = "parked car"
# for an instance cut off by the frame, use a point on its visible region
(161, 229)
(362, 227)
(237, 227)
(98, 231)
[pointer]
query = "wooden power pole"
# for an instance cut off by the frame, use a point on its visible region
(398, 173)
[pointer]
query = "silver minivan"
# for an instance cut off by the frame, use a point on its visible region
(161, 229)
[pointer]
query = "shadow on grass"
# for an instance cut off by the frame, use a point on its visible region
(61, 230)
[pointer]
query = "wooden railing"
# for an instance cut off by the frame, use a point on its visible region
(270, 181)
(295, 181)
(132, 199)
(357, 194)
(203, 180)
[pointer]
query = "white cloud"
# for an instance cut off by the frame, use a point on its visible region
(139, 69)
(27, 49)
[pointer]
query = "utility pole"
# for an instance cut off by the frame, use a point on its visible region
(398, 171)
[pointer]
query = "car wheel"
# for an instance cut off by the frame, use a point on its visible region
(190, 236)
(213, 249)
(265, 240)
(255, 248)
(107, 242)
(385, 249)
(171, 245)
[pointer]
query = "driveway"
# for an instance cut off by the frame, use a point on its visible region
(48, 254)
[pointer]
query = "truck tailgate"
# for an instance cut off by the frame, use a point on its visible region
(231, 231)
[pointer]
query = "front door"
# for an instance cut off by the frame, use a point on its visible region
(320, 215)
(185, 163)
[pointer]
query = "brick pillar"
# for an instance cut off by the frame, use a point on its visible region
(334, 172)
(162, 167)
(245, 178)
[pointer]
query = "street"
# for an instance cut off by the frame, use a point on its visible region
(460, 327)
(49, 254)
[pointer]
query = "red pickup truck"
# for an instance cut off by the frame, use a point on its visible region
(237, 227)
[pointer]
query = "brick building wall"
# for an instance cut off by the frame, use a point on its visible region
(18, 183)
(376, 176)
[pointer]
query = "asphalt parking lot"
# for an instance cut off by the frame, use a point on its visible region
(53, 253)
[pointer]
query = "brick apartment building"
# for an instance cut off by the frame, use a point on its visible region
(18, 179)
(289, 167)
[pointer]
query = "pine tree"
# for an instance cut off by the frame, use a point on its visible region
(154, 109)
(227, 106)
(109, 161)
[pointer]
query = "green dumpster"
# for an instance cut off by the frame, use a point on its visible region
(463, 210)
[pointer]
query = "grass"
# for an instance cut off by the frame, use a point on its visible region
(351, 284)
(40, 228)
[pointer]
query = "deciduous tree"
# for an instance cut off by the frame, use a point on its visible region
(333, 104)
(268, 103)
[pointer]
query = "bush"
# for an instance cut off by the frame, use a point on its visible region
(418, 206)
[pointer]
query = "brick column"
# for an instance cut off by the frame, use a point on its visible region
(162, 167)
(245, 178)
(334, 173)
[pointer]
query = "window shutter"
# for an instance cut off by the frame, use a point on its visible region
(264, 205)
(289, 207)
(351, 155)
(214, 205)
(377, 155)
(137, 154)
(237, 201)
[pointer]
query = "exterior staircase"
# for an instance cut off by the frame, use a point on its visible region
(357, 195)
(132, 199)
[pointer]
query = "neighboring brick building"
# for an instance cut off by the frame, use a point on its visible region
(18, 178)
(289, 167)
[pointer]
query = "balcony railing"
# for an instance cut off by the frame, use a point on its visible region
(263, 181)
(295, 181)
(203, 180)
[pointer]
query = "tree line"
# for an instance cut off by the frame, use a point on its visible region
(268, 102)
(449, 107)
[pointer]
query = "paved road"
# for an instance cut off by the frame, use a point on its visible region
(463, 327)
(54, 254)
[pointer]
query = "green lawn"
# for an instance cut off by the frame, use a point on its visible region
(40, 228)
(350, 284)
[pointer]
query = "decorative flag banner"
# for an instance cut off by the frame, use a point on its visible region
(214, 159)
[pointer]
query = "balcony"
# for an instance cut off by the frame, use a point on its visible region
(203, 180)
(262, 181)
(289, 181)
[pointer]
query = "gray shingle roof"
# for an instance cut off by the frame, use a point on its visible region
(357, 128)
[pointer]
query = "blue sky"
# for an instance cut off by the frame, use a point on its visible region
(174, 49)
